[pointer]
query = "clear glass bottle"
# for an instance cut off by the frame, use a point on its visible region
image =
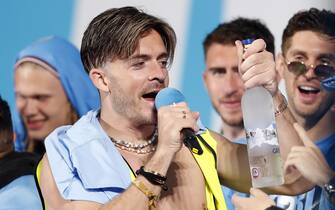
(260, 125)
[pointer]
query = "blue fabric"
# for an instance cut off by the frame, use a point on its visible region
(79, 174)
(329, 84)
(228, 192)
(20, 194)
(65, 59)
(316, 198)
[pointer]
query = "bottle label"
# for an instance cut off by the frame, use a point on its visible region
(264, 156)
(260, 136)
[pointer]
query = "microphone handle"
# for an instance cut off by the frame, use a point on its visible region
(191, 141)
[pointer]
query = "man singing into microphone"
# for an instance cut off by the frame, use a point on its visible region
(128, 155)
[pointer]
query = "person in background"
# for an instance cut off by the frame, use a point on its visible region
(223, 80)
(307, 58)
(17, 184)
(128, 154)
(51, 89)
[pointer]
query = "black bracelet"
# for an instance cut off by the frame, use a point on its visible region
(153, 177)
(273, 208)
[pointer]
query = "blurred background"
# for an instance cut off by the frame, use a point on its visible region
(22, 22)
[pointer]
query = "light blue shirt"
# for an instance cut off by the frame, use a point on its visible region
(20, 194)
(85, 163)
(314, 199)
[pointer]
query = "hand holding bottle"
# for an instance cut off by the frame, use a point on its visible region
(257, 66)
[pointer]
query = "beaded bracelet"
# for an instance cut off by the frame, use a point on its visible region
(281, 107)
(153, 177)
(150, 195)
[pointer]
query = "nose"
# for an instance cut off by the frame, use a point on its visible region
(30, 108)
(310, 71)
(158, 72)
(232, 83)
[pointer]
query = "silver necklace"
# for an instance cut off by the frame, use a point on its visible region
(143, 148)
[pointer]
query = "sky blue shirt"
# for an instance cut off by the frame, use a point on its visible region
(316, 198)
(20, 194)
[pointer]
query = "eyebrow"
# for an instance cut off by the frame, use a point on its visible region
(323, 55)
(147, 57)
(298, 52)
(217, 69)
(327, 55)
(17, 93)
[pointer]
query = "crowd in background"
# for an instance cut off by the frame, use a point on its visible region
(107, 92)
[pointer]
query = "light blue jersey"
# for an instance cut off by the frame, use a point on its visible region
(316, 198)
(20, 194)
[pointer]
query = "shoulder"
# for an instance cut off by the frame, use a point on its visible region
(69, 137)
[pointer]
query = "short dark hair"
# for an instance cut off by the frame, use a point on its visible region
(6, 128)
(239, 29)
(114, 34)
(320, 21)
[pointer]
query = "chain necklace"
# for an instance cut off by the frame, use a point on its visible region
(143, 148)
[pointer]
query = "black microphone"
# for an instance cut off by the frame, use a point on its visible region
(169, 96)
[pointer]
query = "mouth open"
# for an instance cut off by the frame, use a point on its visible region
(308, 90)
(150, 96)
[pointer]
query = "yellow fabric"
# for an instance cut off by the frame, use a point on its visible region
(207, 163)
(38, 176)
(38, 172)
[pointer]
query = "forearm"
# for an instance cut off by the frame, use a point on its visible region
(131, 198)
(287, 136)
(233, 165)
(160, 163)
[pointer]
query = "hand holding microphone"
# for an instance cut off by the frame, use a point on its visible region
(174, 119)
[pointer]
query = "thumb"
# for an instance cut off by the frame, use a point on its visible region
(240, 49)
(303, 135)
(257, 46)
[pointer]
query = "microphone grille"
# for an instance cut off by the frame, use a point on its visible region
(168, 96)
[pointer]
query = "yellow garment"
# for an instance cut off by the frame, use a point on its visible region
(38, 178)
(207, 164)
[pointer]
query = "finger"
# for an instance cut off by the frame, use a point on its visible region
(258, 193)
(256, 59)
(257, 46)
(179, 104)
(263, 79)
(293, 164)
(240, 49)
(253, 71)
(239, 201)
(303, 135)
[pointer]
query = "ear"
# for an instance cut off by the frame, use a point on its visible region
(99, 79)
(204, 78)
(280, 64)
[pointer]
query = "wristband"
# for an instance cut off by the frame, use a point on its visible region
(281, 107)
(153, 177)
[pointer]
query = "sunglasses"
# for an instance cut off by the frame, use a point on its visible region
(322, 70)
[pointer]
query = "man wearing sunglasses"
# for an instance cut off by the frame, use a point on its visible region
(308, 57)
